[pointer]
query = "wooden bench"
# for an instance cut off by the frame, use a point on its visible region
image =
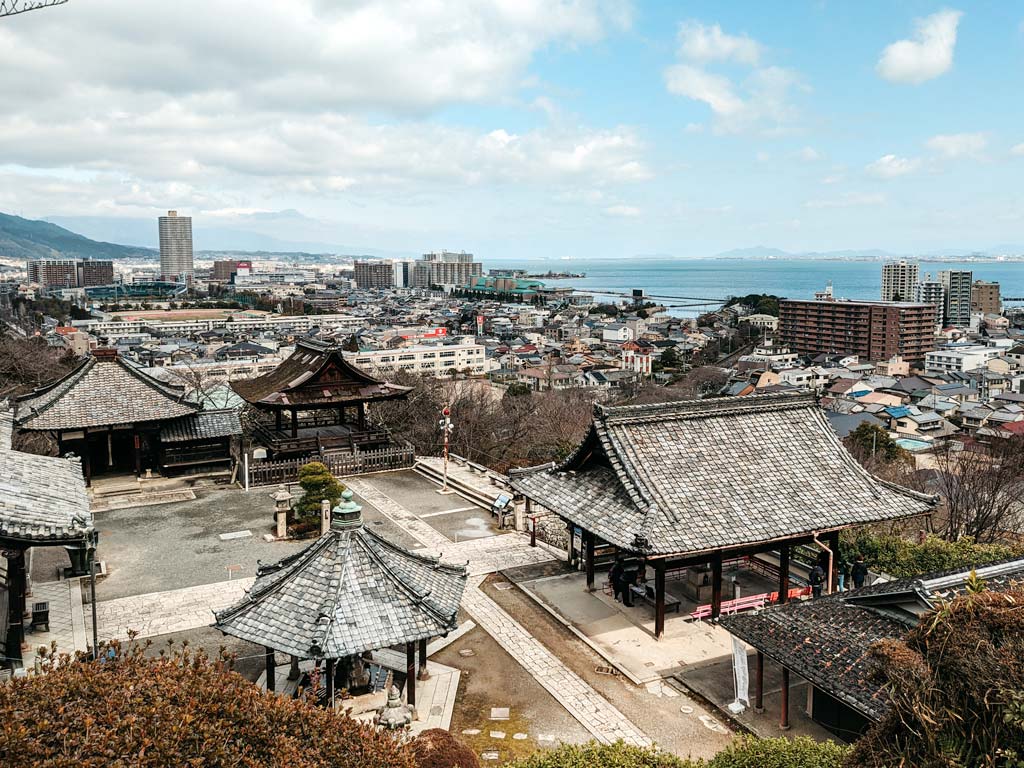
(749, 603)
(646, 593)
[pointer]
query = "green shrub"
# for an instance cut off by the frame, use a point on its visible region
(904, 559)
(318, 484)
(743, 753)
(594, 755)
(801, 752)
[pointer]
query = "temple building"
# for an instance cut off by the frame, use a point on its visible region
(316, 401)
(43, 503)
(348, 593)
(118, 419)
(844, 697)
(685, 485)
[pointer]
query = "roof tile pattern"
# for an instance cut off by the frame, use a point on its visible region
(316, 374)
(348, 592)
(205, 425)
(42, 498)
(100, 393)
(826, 641)
(695, 476)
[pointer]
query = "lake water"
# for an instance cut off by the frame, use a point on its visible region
(715, 279)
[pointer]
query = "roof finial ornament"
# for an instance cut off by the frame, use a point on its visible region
(347, 515)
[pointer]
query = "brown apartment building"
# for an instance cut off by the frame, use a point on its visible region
(872, 330)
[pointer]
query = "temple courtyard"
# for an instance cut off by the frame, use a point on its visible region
(168, 566)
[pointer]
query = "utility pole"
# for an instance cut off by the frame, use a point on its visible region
(446, 428)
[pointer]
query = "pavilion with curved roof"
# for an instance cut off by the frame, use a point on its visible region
(694, 482)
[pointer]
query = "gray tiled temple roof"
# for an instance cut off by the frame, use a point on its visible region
(348, 592)
(102, 391)
(42, 498)
(827, 640)
(316, 374)
(204, 425)
(696, 476)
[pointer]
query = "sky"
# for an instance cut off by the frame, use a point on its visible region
(523, 128)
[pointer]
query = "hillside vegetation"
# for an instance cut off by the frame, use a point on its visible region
(29, 239)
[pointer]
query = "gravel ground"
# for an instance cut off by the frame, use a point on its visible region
(658, 716)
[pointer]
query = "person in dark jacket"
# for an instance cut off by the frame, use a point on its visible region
(859, 572)
(615, 577)
(817, 579)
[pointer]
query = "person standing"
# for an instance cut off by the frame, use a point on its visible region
(817, 579)
(860, 572)
(841, 571)
(615, 577)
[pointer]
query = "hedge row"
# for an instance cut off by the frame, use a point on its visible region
(903, 559)
(745, 753)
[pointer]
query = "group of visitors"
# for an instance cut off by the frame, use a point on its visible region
(623, 575)
(858, 572)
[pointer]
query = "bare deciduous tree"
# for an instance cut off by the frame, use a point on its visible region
(982, 490)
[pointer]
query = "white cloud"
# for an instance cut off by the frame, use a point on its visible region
(308, 98)
(892, 166)
(622, 211)
(809, 155)
(759, 101)
(1017, 149)
(714, 90)
(926, 56)
(698, 42)
(694, 128)
(850, 200)
(956, 145)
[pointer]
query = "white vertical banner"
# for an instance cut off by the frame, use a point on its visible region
(741, 675)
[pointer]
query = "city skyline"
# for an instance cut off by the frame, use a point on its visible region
(586, 129)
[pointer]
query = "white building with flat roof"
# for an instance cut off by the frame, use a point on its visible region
(431, 359)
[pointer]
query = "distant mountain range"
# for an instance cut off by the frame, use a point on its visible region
(216, 239)
(33, 239)
(28, 239)
(760, 252)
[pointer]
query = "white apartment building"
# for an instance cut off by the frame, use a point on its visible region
(899, 280)
(957, 285)
(432, 359)
(299, 323)
(959, 359)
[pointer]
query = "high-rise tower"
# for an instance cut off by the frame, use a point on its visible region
(176, 247)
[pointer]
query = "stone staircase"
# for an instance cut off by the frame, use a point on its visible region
(472, 481)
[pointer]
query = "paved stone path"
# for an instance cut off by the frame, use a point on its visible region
(594, 712)
(160, 613)
(182, 609)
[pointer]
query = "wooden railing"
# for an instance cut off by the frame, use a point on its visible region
(340, 464)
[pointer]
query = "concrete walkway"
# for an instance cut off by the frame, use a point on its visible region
(593, 711)
(189, 608)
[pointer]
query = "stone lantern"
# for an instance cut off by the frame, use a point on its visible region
(282, 506)
(394, 714)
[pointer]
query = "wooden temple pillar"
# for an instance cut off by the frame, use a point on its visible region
(295, 422)
(271, 670)
(784, 705)
(330, 682)
(17, 583)
(410, 674)
(362, 416)
(137, 451)
(570, 548)
(423, 674)
(716, 586)
(86, 458)
(588, 544)
(759, 684)
(293, 670)
(659, 598)
(277, 420)
(783, 574)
